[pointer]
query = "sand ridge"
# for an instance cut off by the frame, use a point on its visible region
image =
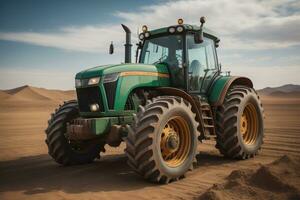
(31, 98)
(277, 180)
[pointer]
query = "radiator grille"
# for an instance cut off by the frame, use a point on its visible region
(110, 89)
(88, 96)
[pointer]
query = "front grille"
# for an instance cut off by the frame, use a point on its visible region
(110, 89)
(88, 96)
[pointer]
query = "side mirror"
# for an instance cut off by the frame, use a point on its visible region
(199, 35)
(111, 48)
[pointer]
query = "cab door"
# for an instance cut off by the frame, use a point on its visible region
(202, 63)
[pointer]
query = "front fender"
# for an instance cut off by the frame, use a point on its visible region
(220, 87)
(127, 84)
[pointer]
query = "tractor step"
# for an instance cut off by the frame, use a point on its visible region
(207, 116)
(208, 126)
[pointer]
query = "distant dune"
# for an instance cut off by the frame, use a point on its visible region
(28, 95)
(285, 91)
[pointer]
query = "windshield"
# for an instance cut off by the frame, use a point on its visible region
(165, 49)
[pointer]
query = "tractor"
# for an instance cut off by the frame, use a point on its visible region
(173, 97)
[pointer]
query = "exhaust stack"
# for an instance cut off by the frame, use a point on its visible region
(128, 44)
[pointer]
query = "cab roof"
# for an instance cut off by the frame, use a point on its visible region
(187, 27)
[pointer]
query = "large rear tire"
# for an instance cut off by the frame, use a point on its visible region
(162, 142)
(61, 149)
(239, 123)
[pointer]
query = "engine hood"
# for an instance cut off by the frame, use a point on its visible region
(108, 69)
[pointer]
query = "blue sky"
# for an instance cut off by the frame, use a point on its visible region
(44, 43)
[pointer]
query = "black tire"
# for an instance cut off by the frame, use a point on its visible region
(60, 148)
(230, 140)
(144, 139)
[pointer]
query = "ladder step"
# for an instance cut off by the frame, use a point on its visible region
(208, 126)
(209, 137)
(205, 108)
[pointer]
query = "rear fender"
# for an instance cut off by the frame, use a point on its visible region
(220, 87)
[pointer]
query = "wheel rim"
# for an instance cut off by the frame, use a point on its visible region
(249, 124)
(175, 141)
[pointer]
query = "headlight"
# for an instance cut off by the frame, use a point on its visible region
(147, 34)
(94, 81)
(78, 83)
(172, 30)
(179, 29)
(110, 78)
(94, 107)
(141, 36)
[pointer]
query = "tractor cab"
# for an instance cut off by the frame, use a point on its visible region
(192, 62)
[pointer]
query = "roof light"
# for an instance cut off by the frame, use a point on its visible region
(144, 28)
(179, 29)
(180, 21)
(141, 36)
(147, 34)
(172, 29)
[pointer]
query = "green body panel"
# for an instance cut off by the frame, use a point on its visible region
(108, 69)
(127, 84)
(217, 88)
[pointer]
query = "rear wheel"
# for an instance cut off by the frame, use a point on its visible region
(239, 121)
(162, 143)
(63, 150)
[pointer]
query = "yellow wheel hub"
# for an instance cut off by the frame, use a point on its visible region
(249, 124)
(175, 141)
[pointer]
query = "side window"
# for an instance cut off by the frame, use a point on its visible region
(155, 52)
(202, 63)
(210, 54)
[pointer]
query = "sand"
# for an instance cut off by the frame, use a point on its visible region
(27, 172)
(277, 180)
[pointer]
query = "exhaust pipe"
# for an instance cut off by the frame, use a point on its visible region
(128, 44)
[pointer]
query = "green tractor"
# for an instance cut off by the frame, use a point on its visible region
(161, 106)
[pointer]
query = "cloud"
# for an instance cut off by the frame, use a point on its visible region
(86, 39)
(248, 25)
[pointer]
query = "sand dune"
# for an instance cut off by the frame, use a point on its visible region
(26, 93)
(34, 96)
(27, 172)
(288, 91)
(34, 93)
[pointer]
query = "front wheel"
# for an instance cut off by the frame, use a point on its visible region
(162, 142)
(63, 150)
(239, 121)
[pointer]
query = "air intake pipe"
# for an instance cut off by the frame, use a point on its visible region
(128, 44)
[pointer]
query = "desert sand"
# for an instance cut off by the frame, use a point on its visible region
(27, 172)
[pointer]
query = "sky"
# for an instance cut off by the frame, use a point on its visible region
(45, 43)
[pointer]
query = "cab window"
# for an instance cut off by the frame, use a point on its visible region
(202, 63)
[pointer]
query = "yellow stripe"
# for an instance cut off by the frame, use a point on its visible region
(140, 73)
